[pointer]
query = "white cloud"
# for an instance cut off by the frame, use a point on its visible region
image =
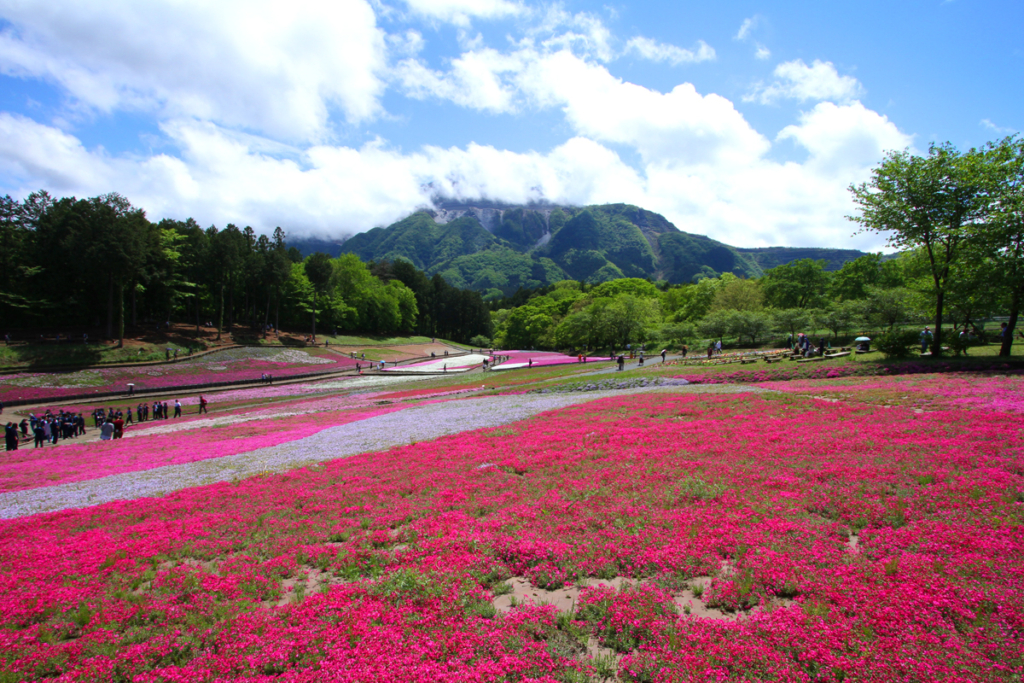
(762, 52)
(461, 12)
(662, 52)
(258, 64)
(997, 129)
(748, 25)
(219, 177)
(796, 80)
(680, 124)
(474, 81)
(843, 138)
(582, 33)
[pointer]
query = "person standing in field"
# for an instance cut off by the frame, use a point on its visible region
(663, 353)
(926, 339)
(177, 408)
(107, 430)
(118, 427)
(202, 404)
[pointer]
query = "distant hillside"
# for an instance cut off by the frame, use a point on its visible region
(311, 245)
(496, 248)
(769, 257)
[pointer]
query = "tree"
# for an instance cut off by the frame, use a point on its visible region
(738, 295)
(932, 203)
(886, 307)
(319, 270)
(750, 324)
(871, 270)
(1003, 236)
(790, 320)
(839, 317)
(799, 284)
(716, 324)
(627, 318)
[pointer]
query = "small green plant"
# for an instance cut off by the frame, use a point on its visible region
(501, 588)
(695, 488)
(698, 590)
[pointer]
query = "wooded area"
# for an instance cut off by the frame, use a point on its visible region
(98, 265)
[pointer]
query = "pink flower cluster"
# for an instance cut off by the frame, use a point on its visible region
(379, 567)
(815, 371)
(539, 358)
(990, 393)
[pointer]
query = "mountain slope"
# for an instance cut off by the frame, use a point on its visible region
(496, 249)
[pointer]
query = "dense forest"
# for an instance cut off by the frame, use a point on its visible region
(99, 265)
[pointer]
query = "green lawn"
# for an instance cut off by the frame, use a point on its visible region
(77, 354)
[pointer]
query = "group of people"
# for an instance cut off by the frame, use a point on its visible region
(52, 427)
(266, 378)
(715, 348)
(803, 345)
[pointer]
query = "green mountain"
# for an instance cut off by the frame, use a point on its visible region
(496, 249)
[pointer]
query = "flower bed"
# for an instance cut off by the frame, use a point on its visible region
(442, 364)
(223, 366)
(521, 359)
(381, 567)
(936, 392)
(181, 442)
(815, 371)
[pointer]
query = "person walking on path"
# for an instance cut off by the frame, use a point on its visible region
(202, 404)
(177, 408)
(621, 362)
(11, 436)
(38, 433)
(118, 427)
(926, 339)
(663, 353)
(107, 430)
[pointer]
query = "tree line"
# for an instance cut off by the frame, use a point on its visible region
(99, 264)
(957, 219)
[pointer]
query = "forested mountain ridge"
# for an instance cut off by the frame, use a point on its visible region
(495, 248)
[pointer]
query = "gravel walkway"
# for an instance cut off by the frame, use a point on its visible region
(414, 424)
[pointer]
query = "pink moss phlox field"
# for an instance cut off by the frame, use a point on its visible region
(1002, 394)
(380, 566)
(206, 370)
(816, 371)
(540, 358)
(29, 468)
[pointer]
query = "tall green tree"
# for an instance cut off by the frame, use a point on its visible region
(319, 270)
(933, 203)
(800, 284)
(1003, 236)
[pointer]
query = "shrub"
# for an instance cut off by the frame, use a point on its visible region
(480, 341)
(897, 343)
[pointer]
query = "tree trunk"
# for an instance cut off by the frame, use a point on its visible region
(120, 316)
(135, 320)
(314, 315)
(220, 319)
(277, 311)
(1011, 324)
(231, 309)
(266, 314)
(197, 312)
(110, 306)
(937, 340)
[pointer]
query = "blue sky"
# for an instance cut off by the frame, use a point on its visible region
(745, 121)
